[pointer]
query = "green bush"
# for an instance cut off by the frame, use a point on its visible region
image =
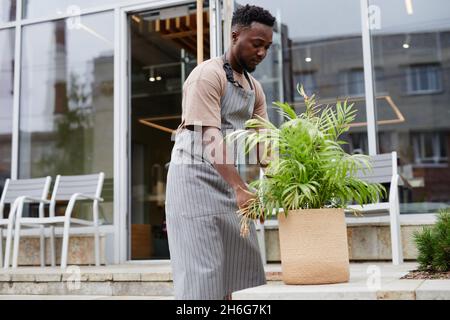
(433, 244)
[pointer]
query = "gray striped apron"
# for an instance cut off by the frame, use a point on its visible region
(209, 258)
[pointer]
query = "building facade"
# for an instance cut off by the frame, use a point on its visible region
(96, 86)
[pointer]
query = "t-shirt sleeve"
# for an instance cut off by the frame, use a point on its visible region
(260, 102)
(202, 100)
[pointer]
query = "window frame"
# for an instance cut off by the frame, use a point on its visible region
(415, 76)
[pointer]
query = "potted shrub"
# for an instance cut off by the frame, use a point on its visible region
(308, 182)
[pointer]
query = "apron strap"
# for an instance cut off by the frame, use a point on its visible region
(229, 73)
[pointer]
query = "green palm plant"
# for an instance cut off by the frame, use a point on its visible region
(307, 168)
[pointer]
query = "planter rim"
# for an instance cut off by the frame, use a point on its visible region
(315, 210)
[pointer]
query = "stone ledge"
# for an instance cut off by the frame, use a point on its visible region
(434, 290)
(127, 277)
(399, 290)
(273, 276)
(81, 250)
(106, 288)
(390, 290)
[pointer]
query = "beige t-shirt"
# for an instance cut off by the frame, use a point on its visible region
(204, 88)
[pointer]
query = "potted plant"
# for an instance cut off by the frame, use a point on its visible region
(308, 182)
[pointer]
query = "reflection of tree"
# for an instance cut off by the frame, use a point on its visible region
(72, 143)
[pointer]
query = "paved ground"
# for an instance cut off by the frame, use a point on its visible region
(124, 282)
(368, 281)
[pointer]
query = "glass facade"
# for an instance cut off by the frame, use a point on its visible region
(6, 102)
(67, 99)
(7, 10)
(411, 56)
(38, 9)
(326, 58)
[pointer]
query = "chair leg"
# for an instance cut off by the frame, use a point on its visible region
(261, 241)
(97, 247)
(52, 246)
(397, 254)
(42, 246)
(16, 244)
(9, 232)
(96, 235)
(1, 246)
(65, 244)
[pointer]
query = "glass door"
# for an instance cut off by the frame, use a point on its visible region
(162, 53)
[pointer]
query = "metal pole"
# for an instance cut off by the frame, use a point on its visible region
(16, 98)
(199, 31)
(368, 80)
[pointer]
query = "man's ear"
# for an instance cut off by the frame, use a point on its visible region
(234, 36)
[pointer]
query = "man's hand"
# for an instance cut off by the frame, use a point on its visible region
(243, 196)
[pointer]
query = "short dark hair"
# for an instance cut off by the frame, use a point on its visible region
(245, 15)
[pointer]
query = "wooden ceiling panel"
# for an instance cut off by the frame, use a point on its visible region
(181, 30)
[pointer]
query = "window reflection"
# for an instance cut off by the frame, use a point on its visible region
(326, 58)
(411, 46)
(39, 8)
(6, 102)
(7, 10)
(66, 101)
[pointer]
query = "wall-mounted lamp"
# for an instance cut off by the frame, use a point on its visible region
(308, 54)
(407, 42)
(152, 77)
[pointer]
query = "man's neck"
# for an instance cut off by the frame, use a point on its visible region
(235, 65)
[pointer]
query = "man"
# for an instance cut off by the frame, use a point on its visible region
(209, 258)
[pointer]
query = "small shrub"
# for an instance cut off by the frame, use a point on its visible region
(433, 244)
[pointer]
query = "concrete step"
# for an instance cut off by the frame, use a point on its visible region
(81, 297)
(154, 281)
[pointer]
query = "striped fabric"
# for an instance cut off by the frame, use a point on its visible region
(209, 258)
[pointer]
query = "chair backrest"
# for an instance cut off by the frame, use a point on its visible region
(66, 186)
(384, 166)
(35, 187)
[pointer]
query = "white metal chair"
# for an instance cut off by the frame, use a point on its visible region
(385, 171)
(71, 189)
(16, 193)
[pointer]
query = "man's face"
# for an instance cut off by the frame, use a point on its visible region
(251, 44)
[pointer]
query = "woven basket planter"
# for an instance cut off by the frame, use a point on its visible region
(313, 245)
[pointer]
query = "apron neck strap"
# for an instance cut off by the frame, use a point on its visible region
(229, 73)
